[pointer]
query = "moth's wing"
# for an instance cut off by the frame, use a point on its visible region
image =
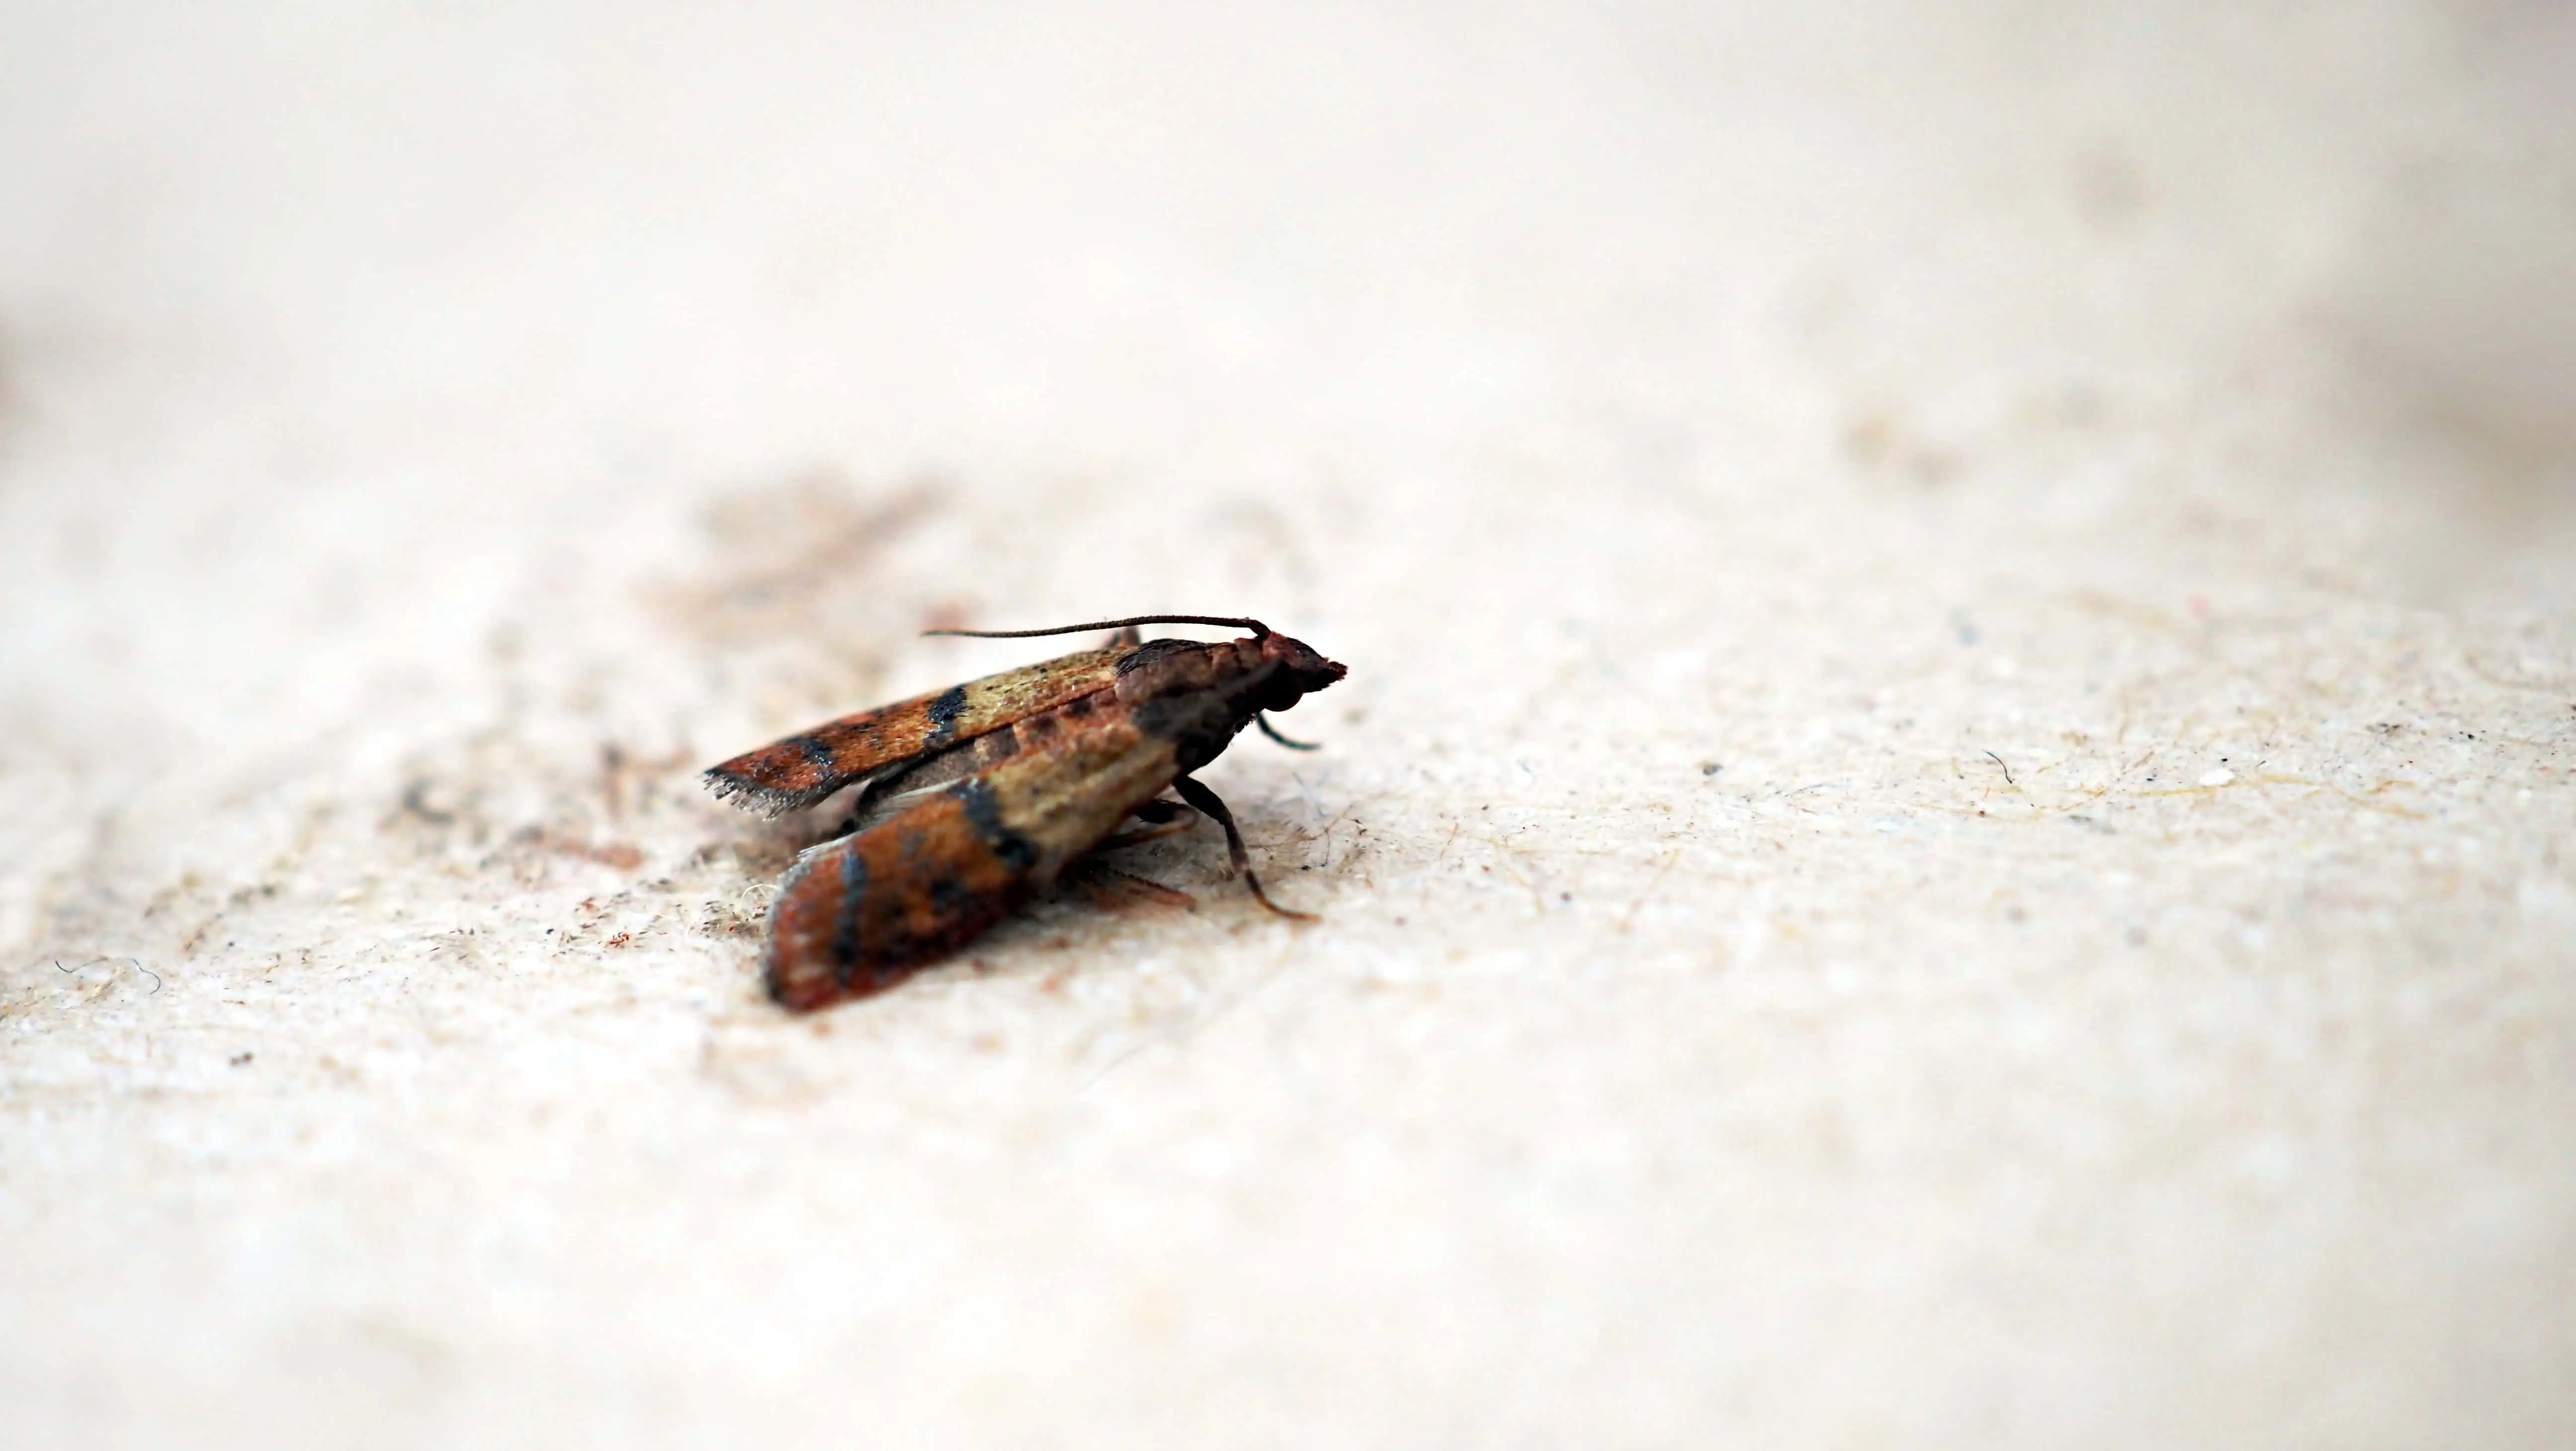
(860, 914)
(802, 769)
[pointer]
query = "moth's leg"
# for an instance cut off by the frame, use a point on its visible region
(1112, 890)
(1206, 800)
(1161, 818)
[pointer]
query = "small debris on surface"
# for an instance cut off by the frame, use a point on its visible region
(2219, 777)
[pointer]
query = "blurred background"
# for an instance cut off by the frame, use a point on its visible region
(406, 409)
(492, 276)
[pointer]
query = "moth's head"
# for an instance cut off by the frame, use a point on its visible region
(1300, 671)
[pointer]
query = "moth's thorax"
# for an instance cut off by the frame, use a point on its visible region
(1198, 695)
(1268, 673)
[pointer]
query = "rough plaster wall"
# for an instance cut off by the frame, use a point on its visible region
(1951, 824)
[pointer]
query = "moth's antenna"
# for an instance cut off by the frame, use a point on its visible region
(1258, 629)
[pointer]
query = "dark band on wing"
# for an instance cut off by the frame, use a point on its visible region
(846, 944)
(859, 915)
(962, 835)
(802, 769)
(943, 713)
(984, 813)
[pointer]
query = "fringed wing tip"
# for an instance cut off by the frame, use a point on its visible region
(751, 795)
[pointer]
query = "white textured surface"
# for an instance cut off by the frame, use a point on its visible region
(1721, 447)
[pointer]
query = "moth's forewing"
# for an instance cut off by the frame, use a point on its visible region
(801, 769)
(861, 914)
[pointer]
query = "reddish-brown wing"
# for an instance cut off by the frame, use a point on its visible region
(864, 912)
(802, 769)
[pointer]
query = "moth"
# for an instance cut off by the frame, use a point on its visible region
(972, 799)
